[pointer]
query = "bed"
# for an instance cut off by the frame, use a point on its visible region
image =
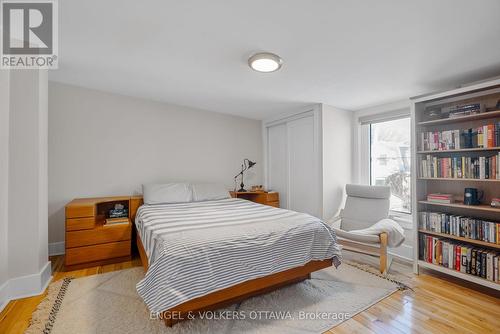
(201, 256)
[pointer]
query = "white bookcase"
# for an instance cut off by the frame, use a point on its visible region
(487, 92)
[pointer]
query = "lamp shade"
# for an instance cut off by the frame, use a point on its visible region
(251, 164)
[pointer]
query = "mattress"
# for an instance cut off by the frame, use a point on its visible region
(197, 248)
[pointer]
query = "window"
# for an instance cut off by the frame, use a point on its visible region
(390, 157)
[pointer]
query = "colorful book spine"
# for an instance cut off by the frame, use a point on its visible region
(486, 136)
(460, 167)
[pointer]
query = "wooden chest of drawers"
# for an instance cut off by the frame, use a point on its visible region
(89, 241)
(266, 198)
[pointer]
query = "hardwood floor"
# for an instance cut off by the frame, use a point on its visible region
(17, 314)
(438, 304)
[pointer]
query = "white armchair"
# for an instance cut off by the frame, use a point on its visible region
(364, 207)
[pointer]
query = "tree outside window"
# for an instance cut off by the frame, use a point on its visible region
(390, 156)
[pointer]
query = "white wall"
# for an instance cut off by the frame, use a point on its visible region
(104, 144)
(23, 175)
(4, 183)
(27, 173)
(337, 126)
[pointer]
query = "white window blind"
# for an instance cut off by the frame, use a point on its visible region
(384, 117)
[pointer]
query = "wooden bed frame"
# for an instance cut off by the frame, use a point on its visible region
(235, 293)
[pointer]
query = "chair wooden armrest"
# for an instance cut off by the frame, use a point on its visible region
(383, 252)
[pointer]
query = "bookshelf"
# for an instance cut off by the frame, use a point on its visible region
(453, 179)
(454, 237)
(487, 94)
(465, 277)
(470, 118)
(459, 205)
(476, 149)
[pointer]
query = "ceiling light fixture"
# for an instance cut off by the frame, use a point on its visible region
(265, 62)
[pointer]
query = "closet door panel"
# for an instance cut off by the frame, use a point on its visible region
(302, 166)
(277, 162)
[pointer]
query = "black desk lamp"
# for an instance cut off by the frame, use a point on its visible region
(247, 164)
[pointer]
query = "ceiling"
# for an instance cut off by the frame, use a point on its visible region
(350, 54)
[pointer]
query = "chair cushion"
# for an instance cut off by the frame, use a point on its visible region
(369, 239)
(364, 191)
(364, 206)
(360, 213)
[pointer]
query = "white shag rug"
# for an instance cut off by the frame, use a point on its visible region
(109, 303)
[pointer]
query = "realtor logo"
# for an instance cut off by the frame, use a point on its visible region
(29, 34)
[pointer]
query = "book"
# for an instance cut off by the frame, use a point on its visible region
(491, 142)
(473, 262)
(489, 266)
(468, 260)
(496, 273)
(498, 234)
(463, 259)
(440, 198)
(483, 263)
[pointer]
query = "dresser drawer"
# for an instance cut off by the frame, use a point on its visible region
(97, 252)
(98, 235)
(273, 197)
(75, 224)
(79, 211)
(275, 204)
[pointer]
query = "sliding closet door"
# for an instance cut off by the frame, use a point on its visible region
(303, 187)
(277, 162)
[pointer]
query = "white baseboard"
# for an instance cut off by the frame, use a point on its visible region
(25, 286)
(404, 252)
(4, 295)
(56, 248)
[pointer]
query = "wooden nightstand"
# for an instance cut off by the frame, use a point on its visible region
(89, 241)
(266, 198)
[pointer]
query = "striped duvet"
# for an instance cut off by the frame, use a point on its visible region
(198, 248)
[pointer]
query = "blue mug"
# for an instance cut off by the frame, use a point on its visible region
(472, 196)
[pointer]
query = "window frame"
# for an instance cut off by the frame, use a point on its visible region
(365, 150)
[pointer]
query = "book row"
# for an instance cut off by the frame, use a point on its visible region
(460, 167)
(460, 226)
(482, 137)
(475, 261)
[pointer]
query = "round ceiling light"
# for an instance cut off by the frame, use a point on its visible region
(265, 62)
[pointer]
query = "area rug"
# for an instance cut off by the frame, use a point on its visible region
(108, 303)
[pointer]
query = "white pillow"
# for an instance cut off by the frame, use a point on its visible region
(166, 193)
(209, 191)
